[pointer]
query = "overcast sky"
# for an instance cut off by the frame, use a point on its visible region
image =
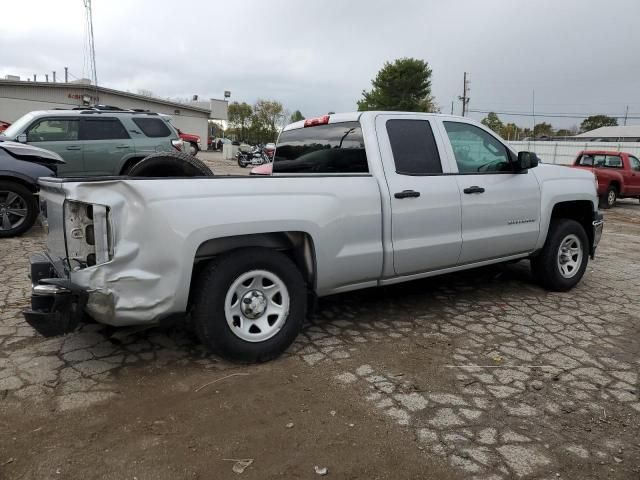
(317, 56)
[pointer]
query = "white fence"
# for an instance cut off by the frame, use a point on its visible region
(563, 153)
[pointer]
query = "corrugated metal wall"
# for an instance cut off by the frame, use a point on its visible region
(564, 153)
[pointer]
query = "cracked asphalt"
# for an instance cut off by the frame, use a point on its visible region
(476, 375)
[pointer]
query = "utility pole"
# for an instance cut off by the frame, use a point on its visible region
(54, 76)
(34, 77)
(626, 113)
(451, 107)
(533, 111)
(465, 97)
(46, 77)
(66, 74)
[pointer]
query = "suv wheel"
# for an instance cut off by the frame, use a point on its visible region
(249, 305)
(193, 149)
(18, 209)
(564, 257)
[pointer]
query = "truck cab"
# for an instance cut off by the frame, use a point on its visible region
(617, 174)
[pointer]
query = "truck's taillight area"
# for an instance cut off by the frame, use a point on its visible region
(178, 144)
(312, 122)
(87, 234)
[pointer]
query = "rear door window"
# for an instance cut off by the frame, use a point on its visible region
(102, 129)
(635, 163)
(152, 127)
(414, 147)
(332, 148)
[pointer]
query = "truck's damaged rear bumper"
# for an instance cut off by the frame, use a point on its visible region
(57, 305)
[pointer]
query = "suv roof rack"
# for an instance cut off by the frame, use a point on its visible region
(110, 109)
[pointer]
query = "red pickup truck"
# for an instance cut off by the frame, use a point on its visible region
(617, 173)
(192, 142)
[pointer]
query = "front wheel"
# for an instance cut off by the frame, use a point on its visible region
(563, 259)
(193, 149)
(242, 163)
(18, 209)
(249, 305)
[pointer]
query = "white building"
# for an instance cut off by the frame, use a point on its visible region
(20, 97)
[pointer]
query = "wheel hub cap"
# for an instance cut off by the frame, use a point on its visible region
(253, 304)
(256, 305)
(570, 256)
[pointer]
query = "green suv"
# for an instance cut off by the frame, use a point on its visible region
(96, 141)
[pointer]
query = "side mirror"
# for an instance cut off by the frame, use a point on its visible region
(527, 160)
(22, 138)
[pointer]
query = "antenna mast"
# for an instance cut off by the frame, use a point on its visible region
(92, 46)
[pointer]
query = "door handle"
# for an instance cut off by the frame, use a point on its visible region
(122, 146)
(407, 194)
(474, 189)
(73, 147)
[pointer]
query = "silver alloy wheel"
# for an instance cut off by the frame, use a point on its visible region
(13, 210)
(611, 197)
(570, 256)
(257, 305)
(192, 150)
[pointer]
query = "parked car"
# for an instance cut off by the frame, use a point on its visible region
(4, 126)
(355, 200)
(191, 142)
(265, 169)
(617, 174)
(96, 141)
(20, 167)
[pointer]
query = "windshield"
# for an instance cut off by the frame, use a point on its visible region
(16, 128)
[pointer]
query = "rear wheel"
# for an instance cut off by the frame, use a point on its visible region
(18, 209)
(249, 305)
(563, 259)
(610, 198)
(170, 164)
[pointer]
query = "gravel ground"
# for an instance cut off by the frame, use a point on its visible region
(475, 375)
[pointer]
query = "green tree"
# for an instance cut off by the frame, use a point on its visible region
(403, 85)
(493, 122)
(296, 117)
(266, 121)
(543, 130)
(597, 121)
(511, 131)
(239, 115)
(563, 132)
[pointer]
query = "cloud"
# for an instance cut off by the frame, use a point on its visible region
(319, 56)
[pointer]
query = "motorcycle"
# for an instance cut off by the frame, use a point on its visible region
(254, 158)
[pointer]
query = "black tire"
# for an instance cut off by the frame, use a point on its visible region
(209, 296)
(16, 197)
(170, 164)
(242, 163)
(610, 198)
(546, 265)
(193, 149)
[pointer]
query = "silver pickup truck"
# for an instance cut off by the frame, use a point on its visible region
(355, 200)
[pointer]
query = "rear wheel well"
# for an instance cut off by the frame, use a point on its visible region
(128, 164)
(579, 210)
(296, 245)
